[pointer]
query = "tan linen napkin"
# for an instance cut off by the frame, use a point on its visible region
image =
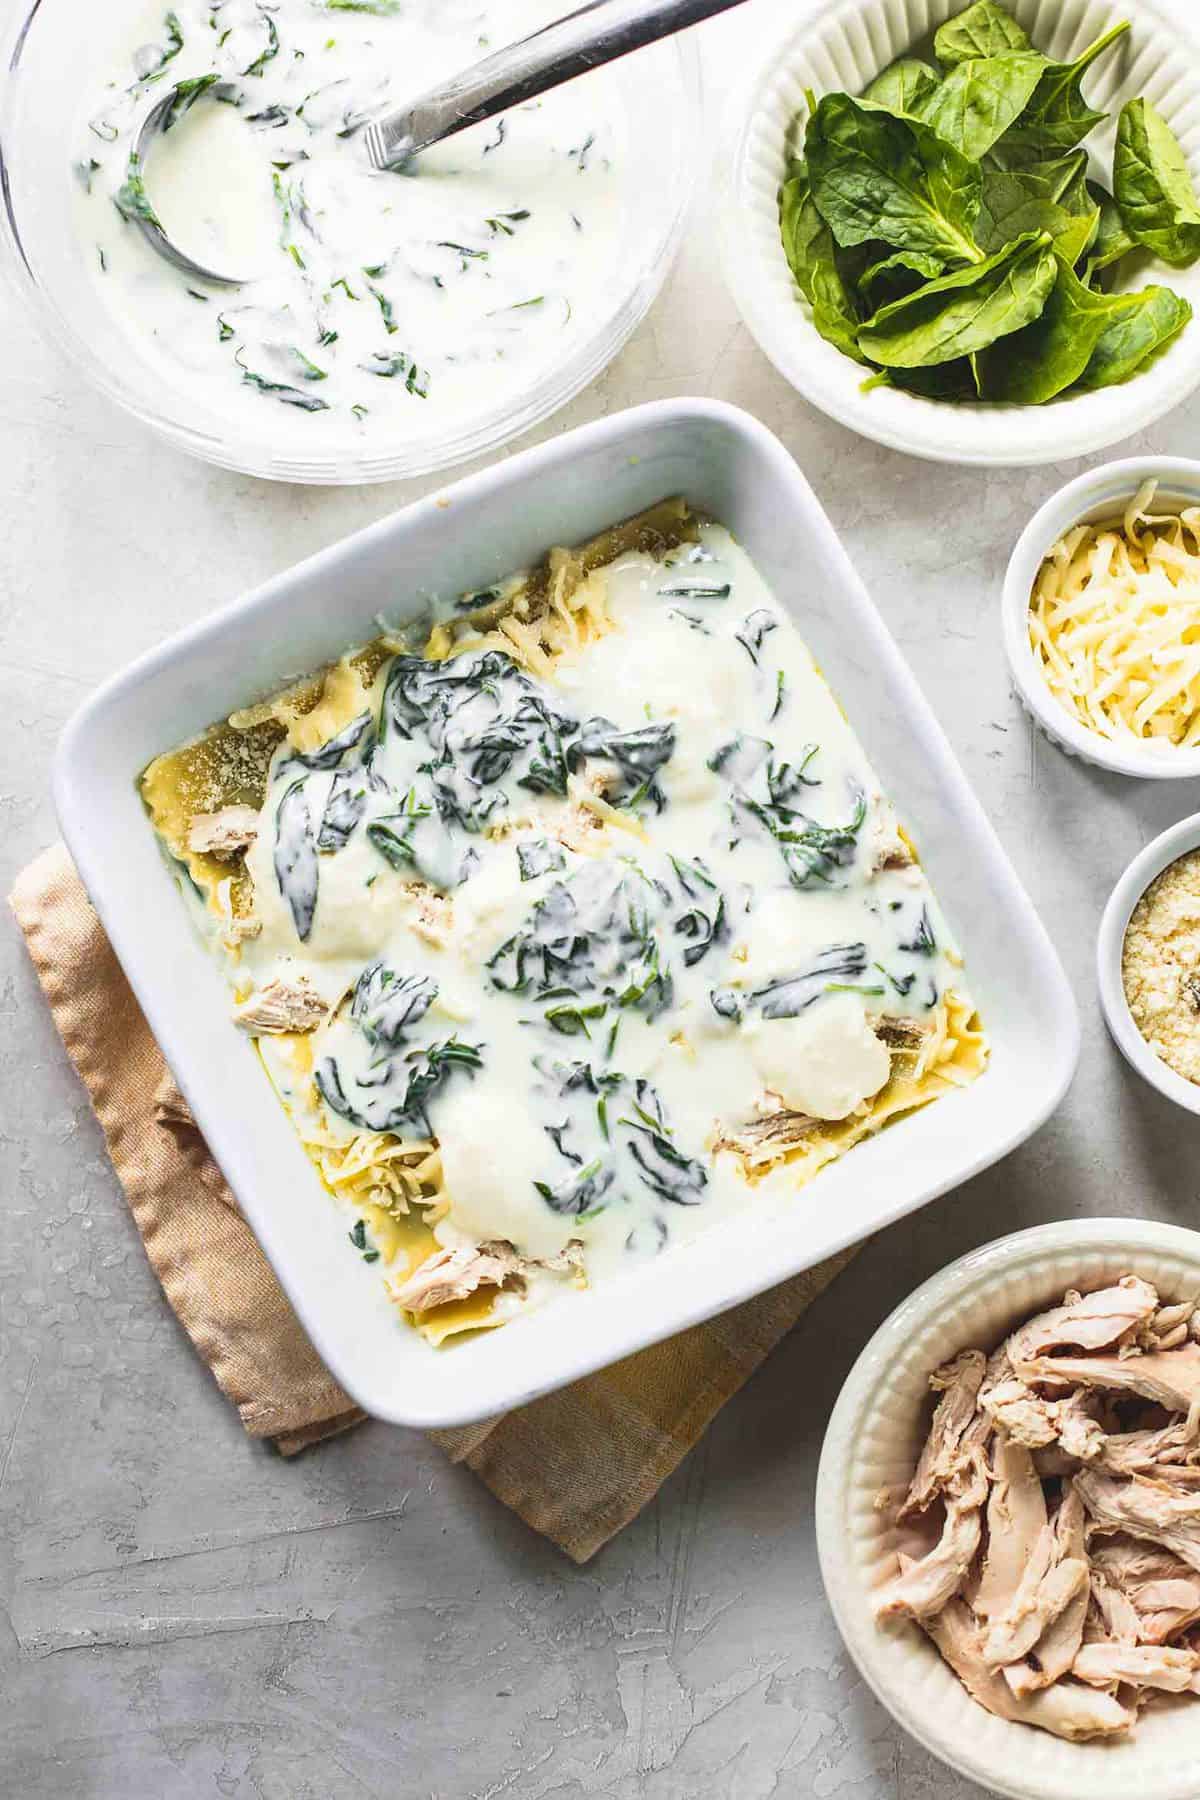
(577, 1465)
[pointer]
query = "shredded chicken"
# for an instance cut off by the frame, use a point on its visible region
(432, 915)
(901, 1034)
(1054, 1575)
(890, 849)
(1067, 1710)
(454, 1274)
(1162, 1590)
(958, 1383)
(282, 1007)
(1080, 1433)
(775, 1131)
(1148, 1452)
(1141, 1665)
(223, 834)
(1146, 1509)
(1030, 1419)
(924, 1584)
(1169, 1326)
(1113, 1617)
(1086, 1321)
(1057, 1500)
(1016, 1519)
(1052, 1631)
(1170, 1378)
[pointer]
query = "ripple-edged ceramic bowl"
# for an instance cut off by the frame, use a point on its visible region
(1100, 494)
(1158, 855)
(873, 1441)
(843, 45)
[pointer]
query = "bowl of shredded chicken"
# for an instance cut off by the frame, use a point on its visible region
(1008, 1512)
(1102, 617)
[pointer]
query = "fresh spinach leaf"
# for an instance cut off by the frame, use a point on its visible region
(903, 87)
(811, 253)
(966, 311)
(1059, 178)
(896, 275)
(876, 176)
(980, 99)
(942, 381)
(1049, 355)
(1057, 116)
(982, 30)
(1136, 337)
(1011, 210)
(1111, 241)
(1154, 188)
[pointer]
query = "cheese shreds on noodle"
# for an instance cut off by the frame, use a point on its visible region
(1114, 623)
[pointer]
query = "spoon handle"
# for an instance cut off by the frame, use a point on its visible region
(597, 33)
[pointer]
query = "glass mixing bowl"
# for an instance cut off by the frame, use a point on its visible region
(50, 51)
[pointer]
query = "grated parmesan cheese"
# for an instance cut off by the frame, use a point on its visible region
(1114, 623)
(1160, 966)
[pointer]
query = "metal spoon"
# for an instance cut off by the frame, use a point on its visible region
(597, 33)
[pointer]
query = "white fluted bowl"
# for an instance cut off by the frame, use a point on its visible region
(873, 1441)
(1100, 494)
(844, 44)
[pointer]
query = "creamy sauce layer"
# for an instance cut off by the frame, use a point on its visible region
(380, 306)
(586, 930)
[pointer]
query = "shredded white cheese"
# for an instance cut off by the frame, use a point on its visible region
(1114, 622)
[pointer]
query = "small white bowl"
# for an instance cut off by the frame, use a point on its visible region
(1101, 493)
(1145, 867)
(842, 45)
(873, 1440)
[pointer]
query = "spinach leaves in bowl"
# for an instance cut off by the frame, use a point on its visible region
(945, 229)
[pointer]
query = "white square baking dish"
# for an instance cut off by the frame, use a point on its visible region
(465, 538)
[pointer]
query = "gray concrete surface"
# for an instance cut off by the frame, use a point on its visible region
(182, 1614)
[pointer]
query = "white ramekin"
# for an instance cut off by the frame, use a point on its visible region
(873, 1440)
(1101, 493)
(1149, 863)
(843, 44)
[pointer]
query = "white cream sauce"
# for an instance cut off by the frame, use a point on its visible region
(380, 305)
(615, 1009)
